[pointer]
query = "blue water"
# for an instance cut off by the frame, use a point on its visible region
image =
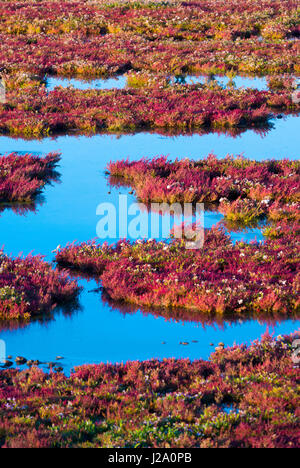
(97, 332)
(259, 83)
(99, 83)
(120, 82)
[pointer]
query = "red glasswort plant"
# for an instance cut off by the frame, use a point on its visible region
(30, 287)
(243, 190)
(221, 278)
(89, 39)
(189, 20)
(243, 397)
(184, 108)
(22, 177)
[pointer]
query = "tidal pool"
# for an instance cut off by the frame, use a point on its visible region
(99, 331)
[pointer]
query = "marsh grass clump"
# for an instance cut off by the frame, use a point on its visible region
(243, 190)
(221, 278)
(30, 287)
(182, 107)
(22, 177)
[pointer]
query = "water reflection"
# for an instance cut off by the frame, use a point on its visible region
(261, 130)
(67, 310)
(100, 333)
(182, 315)
(22, 209)
(52, 178)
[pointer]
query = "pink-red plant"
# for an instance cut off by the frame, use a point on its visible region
(22, 177)
(87, 38)
(221, 278)
(243, 190)
(184, 108)
(29, 287)
(244, 397)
